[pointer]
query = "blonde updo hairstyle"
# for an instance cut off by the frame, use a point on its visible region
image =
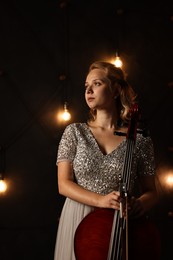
(126, 97)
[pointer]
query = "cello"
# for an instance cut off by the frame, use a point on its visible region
(104, 233)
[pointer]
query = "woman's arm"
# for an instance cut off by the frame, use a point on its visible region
(68, 188)
(148, 199)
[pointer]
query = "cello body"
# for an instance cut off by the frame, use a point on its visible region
(92, 237)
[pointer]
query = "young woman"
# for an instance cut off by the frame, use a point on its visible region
(91, 157)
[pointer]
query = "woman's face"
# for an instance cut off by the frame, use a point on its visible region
(98, 91)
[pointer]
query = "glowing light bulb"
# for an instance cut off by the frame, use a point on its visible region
(169, 180)
(3, 186)
(118, 62)
(66, 115)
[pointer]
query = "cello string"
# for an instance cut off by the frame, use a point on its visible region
(126, 181)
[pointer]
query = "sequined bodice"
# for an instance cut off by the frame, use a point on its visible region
(98, 172)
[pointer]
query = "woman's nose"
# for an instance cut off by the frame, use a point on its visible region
(89, 89)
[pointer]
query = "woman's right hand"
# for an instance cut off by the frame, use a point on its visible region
(111, 200)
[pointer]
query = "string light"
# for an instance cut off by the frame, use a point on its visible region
(66, 116)
(117, 61)
(169, 180)
(166, 178)
(3, 185)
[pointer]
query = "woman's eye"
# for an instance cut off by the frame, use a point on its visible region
(94, 84)
(97, 83)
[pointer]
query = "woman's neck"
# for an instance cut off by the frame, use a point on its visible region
(105, 120)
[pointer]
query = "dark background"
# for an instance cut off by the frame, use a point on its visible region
(45, 50)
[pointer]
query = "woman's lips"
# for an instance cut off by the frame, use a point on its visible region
(90, 99)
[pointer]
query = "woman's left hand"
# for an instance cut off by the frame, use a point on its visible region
(135, 208)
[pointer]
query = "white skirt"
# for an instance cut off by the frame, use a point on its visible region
(71, 215)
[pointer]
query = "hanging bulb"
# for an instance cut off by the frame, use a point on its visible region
(66, 115)
(118, 62)
(3, 185)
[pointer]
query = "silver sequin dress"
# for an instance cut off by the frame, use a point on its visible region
(96, 172)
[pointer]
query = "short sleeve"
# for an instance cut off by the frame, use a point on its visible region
(67, 145)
